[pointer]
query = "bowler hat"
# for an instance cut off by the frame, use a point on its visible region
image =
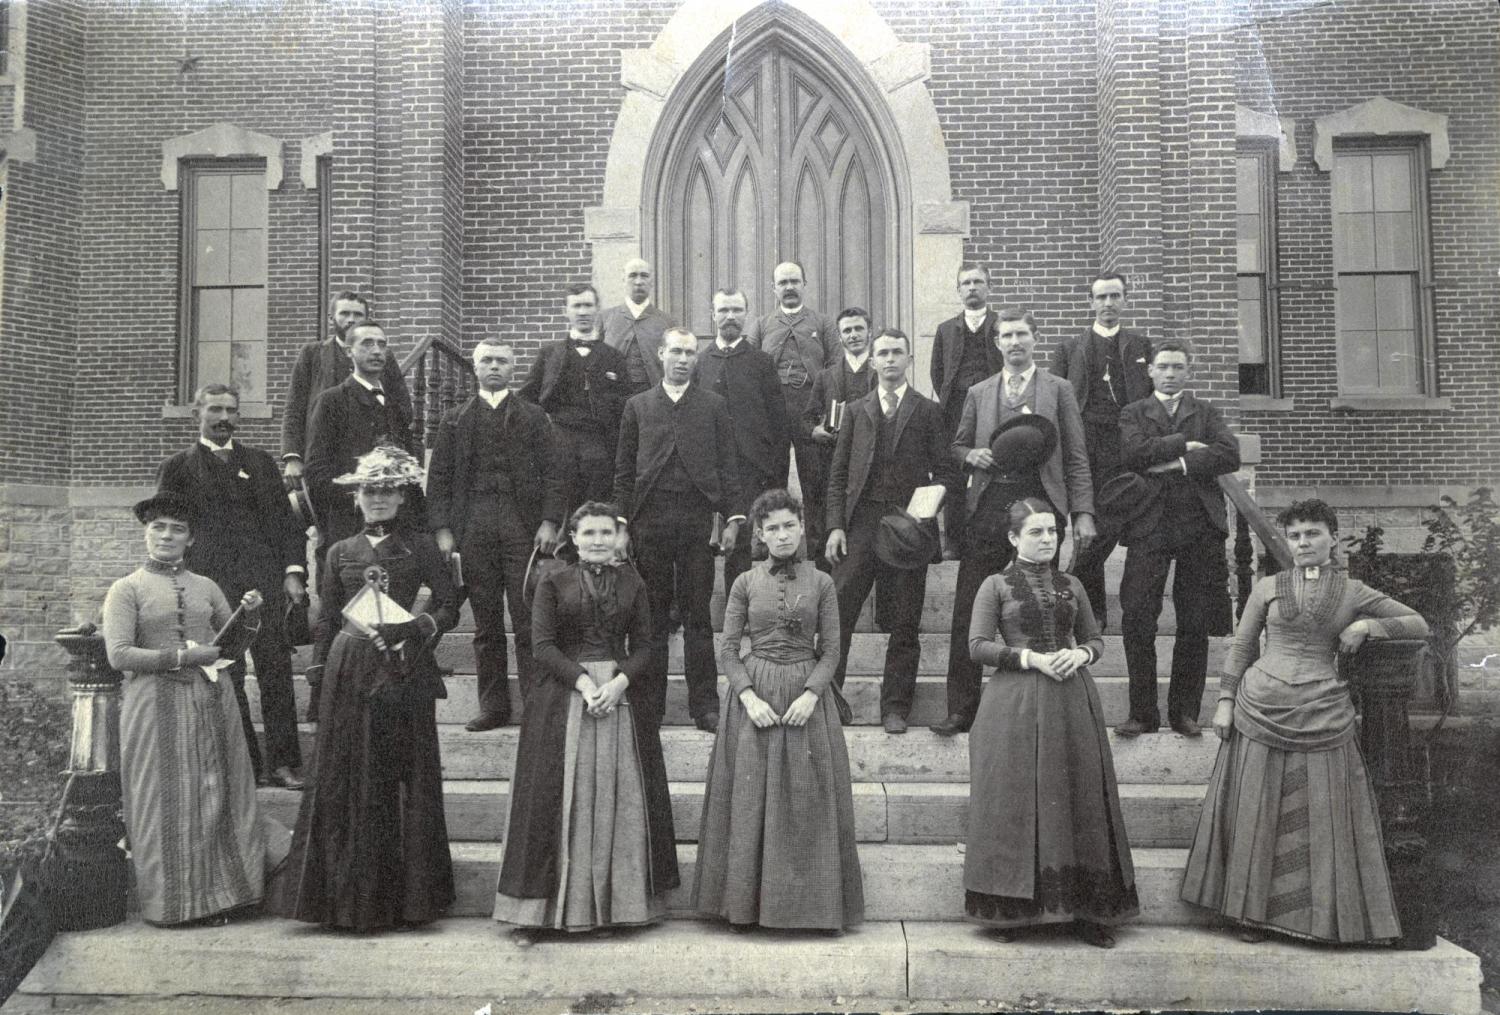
(1024, 441)
(166, 504)
(1124, 498)
(906, 542)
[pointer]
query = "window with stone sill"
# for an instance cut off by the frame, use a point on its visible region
(1383, 269)
(1260, 349)
(222, 312)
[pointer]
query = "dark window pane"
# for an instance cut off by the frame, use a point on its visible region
(1255, 379)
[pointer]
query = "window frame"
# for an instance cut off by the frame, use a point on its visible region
(1415, 147)
(323, 177)
(1265, 151)
(191, 171)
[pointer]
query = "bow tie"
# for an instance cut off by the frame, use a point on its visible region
(582, 343)
(377, 529)
(787, 567)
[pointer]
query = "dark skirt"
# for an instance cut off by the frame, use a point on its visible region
(1046, 840)
(776, 845)
(371, 845)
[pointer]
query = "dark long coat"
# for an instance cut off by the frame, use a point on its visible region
(347, 422)
(920, 453)
(320, 366)
(1148, 436)
(608, 379)
(697, 428)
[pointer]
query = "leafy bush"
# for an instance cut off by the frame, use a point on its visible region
(34, 741)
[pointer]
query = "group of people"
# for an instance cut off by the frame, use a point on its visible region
(627, 433)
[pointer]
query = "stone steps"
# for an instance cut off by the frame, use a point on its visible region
(861, 691)
(471, 961)
(919, 756)
(910, 813)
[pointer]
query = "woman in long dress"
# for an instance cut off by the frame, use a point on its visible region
(196, 838)
(371, 845)
(1046, 841)
(588, 841)
(1289, 836)
(777, 847)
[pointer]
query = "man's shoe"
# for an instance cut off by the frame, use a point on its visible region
(1187, 726)
(894, 723)
(708, 723)
(1133, 728)
(285, 778)
(955, 723)
(483, 722)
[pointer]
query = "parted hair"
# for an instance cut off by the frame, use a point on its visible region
(1017, 314)
(1171, 345)
(208, 391)
(772, 501)
(346, 295)
(1109, 276)
(1310, 510)
(1022, 509)
(593, 509)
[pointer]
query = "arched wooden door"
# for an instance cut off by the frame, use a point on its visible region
(773, 164)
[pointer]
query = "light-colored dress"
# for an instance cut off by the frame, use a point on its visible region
(1289, 836)
(776, 846)
(1046, 840)
(196, 838)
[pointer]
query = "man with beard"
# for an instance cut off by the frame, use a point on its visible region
(677, 466)
(891, 442)
(849, 379)
(635, 327)
(245, 538)
(582, 383)
(1107, 366)
(801, 343)
(321, 365)
(746, 379)
(495, 492)
(963, 354)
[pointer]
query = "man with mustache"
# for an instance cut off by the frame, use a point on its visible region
(851, 378)
(635, 327)
(321, 365)
(746, 379)
(245, 538)
(496, 492)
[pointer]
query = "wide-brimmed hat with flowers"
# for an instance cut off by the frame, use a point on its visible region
(386, 466)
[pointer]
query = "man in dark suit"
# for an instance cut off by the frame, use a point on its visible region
(245, 538)
(1021, 388)
(582, 383)
(350, 419)
(746, 379)
(634, 328)
(1107, 366)
(801, 342)
(850, 378)
(893, 440)
(963, 354)
(1181, 444)
(321, 365)
(677, 466)
(496, 492)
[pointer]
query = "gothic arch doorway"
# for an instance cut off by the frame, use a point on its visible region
(770, 154)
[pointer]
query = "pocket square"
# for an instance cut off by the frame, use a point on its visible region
(244, 474)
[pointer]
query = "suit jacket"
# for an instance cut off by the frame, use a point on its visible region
(538, 471)
(349, 421)
(698, 428)
(814, 333)
(320, 366)
(1082, 359)
(618, 327)
(948, 353)
(1148, 436)
(747, 381)
(831, 384)
(1064, 475)
(609, 382)
(919, 447)
(238, 559)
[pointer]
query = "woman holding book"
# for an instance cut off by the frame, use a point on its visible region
(1046, 840)
(588, 841)
(196, 838)
(371, 846)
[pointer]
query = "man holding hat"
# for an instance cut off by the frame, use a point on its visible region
(892, 441)
(1020, 436)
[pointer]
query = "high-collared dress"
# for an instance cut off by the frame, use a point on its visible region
(196, 839)
(1046, 841)
(1289, 836)
(371, 844)
(776, 845)
(588, 839)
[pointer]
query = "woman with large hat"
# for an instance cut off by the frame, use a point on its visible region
(371, 844)
(588, 839)
(1046, 840)
(196, 838)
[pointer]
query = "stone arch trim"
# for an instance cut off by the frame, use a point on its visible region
(1380, 117)
(899, 70)
(221, 141)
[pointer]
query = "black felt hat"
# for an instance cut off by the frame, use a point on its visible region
(906, 542)
(1125, 498)
(166, 504)
(1024, 441)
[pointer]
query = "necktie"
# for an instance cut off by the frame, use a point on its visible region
(1170, 405)
(379, 395)
(222, 454)
(1013, 386)
(376, 529)
(891, 403)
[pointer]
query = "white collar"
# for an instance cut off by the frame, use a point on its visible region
(228, 445)
(377, 540)
(1164, 399)
(1104, 332)
(975, 320)
(1025, 374)
(857, 364)
(900, 394)
(366, 384)
(720, 343)
(638, 310)
(674, 392)
(493, 398)
(341, 344)
(792, 311)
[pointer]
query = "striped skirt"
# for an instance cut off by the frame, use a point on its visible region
(1290, 841)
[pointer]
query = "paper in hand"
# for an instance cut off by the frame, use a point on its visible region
(926, 500)
(362, 612)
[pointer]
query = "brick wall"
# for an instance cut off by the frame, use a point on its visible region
(1308, 62)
